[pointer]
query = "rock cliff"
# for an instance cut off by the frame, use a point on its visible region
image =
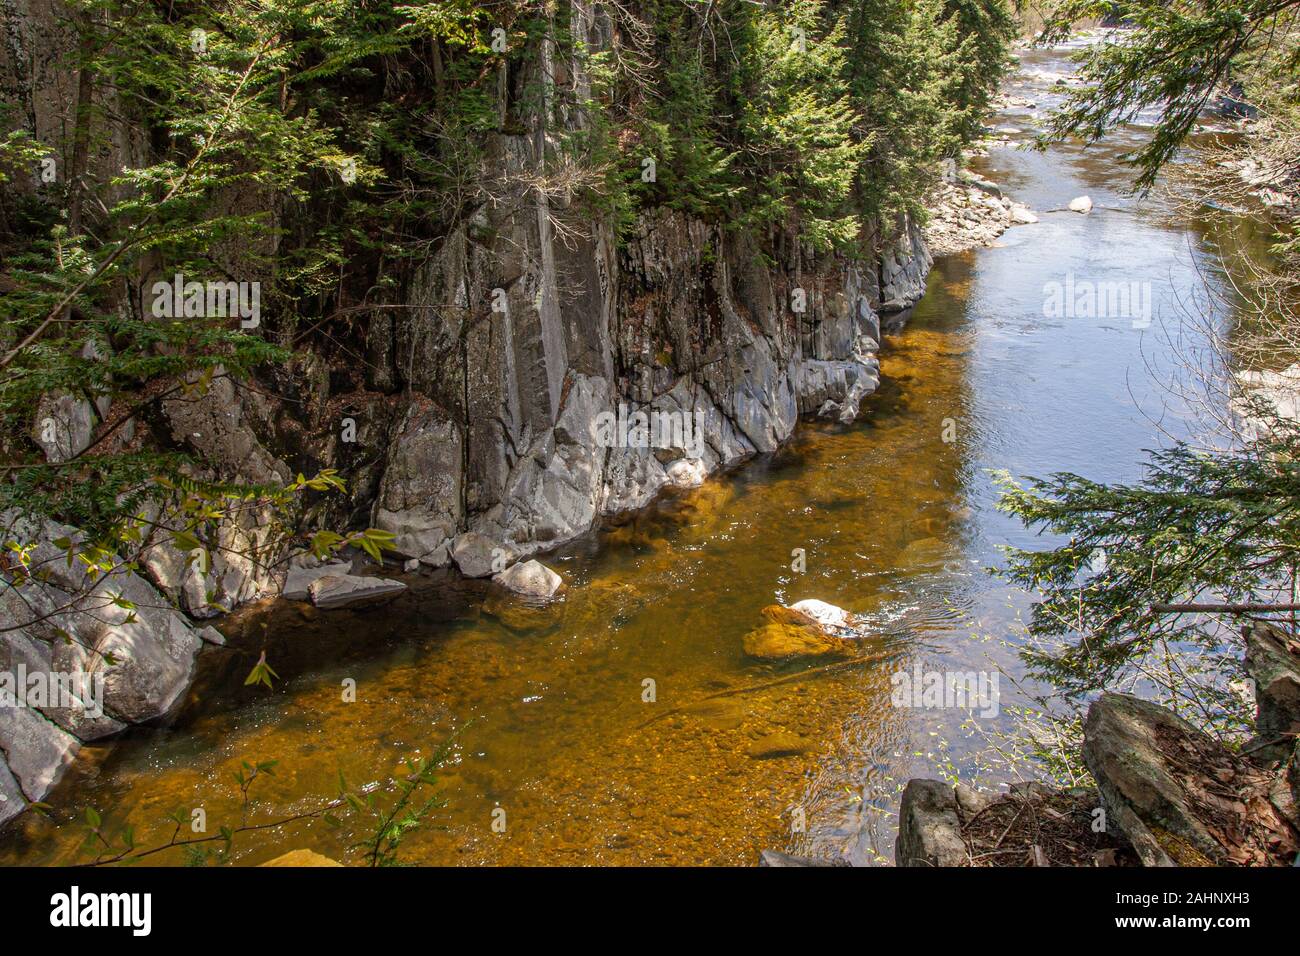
(528, 376)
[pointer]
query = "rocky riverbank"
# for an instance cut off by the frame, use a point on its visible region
(968, 212)
(530, 378)
(1166, 794)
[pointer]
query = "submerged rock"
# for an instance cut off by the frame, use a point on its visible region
(349, 590)
(302, 858)
(531, 579)
(789, 634)
(780, 744)
(777, 858)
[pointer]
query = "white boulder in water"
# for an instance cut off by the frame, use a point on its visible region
(531, 579)
(834, 619)
(1021, 216)
(687, 473)
(1081, 204)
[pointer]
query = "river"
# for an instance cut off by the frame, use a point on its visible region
(555, 740)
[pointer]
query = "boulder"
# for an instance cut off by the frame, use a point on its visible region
(1081, 204)
(1021, 215)
(440, 557)
(118, 616)
(37, 752)
(929, 829)
(210, 635)
(686, 473)
(231, 574)
(64, 425)
(531, 579)
(777, 858)
(779, 744)
(832, 618)
(12, 800)
(1273, 665)
(302, 858)
(300, 577)
(478, 556)
(349, 590)
(1179, 796)
(789, 634)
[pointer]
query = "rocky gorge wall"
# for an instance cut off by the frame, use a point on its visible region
(494, 394)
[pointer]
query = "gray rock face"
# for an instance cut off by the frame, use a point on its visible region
(903, 271)
(929, 829)
(154, 645)
(36, 751)
(730, 355)
(419, 497)
(64, 425)
(217, 425)
(12, 799)
(350, 590)
(834, 389)
(531, 579)
(1275, 669)
(487, 362)
(1179, 796)
(553, 494)
(130, 657)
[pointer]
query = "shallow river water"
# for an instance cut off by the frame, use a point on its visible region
(895, 516)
